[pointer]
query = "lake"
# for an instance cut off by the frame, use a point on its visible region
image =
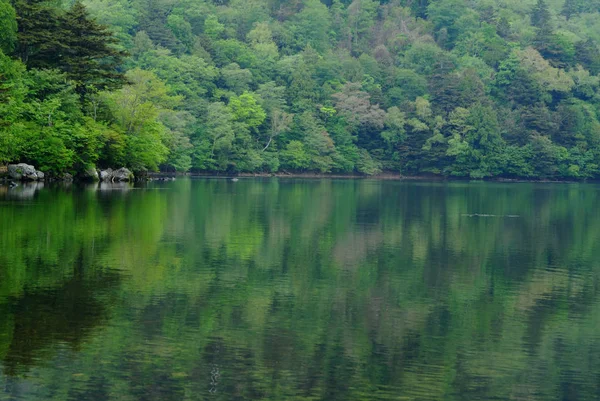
(299, 289)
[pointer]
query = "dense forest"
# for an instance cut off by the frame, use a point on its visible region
(466, 88)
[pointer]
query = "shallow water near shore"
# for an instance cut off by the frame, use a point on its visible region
(300, 289)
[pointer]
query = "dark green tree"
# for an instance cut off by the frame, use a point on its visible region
(503, 27)
(570, 8)
(546, 42)
(540, 15)
(154, 21)
(72, 42)
(8, 27)
(444, 14)
(41, 38)
(90, 58)
(588, 55)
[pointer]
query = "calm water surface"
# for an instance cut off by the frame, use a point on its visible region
(300, 290)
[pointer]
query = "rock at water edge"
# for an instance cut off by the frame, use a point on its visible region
(122, 174)
(106, 175)
(22, 172)
(90, 174)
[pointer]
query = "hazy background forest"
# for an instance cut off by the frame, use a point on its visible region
(478, 88)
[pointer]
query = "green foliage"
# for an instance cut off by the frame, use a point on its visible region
(46, 148)
(294, 156)
(395, 132)
(8, 26)
(90, 58)
(213, 144)
(136, 110)
(13, 90)
(310, 27)
(540, 15)
(72, 42)
(212, 27)
(444, 14)
(145, 149)
(245, 109)
(188, 76)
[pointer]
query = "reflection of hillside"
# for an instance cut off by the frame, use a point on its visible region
(440, 301)
(317, 290)
(52, 291)
(41, 319)
(353, 248)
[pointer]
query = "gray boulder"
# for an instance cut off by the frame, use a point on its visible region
(106, 175)
(40, 175)
(22, 172)
(67, 177)
(90, 174)
(122, 175)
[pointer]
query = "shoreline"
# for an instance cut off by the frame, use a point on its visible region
(382, 176)
(165, 176)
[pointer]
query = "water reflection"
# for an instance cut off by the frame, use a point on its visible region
(25, 190)
(112, 186)
(44, 318)
(304, 290)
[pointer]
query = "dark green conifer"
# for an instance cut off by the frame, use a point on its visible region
(588, 55)
(540, 16)
(570, 8)
(72, 42)
(90, 57)
(40, 35)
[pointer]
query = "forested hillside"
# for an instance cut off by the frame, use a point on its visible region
(473, 88)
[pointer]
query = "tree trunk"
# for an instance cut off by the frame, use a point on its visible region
(268, 143)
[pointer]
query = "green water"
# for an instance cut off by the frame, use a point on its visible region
(300, 290)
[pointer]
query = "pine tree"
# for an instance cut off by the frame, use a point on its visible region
(503, 27)
(540, 16)
(444, 87)
(72, 42)
(90, 57)
(40, 35)
(571, 7)
(588, 55)
(8, 27)
(544, 37)
(419, 7)
(153, 20)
